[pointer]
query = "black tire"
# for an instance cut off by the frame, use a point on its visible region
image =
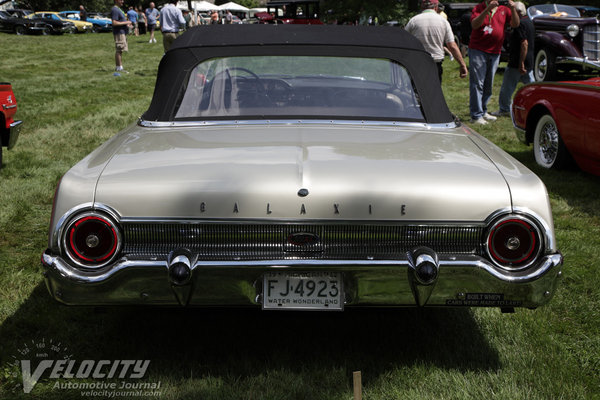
(544, 68)
(20, 30)
(549, 149)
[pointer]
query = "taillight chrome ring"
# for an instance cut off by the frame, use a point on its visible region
(92, 240)
(514, 242)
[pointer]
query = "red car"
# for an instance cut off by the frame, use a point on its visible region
(562, 120)
(9, 128)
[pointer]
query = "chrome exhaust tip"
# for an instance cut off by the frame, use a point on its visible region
(423, 272)
(180, 267)
(426, 265)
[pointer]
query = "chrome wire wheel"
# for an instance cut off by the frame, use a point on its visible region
(548, 148)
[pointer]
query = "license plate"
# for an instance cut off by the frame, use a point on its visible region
(302, 291)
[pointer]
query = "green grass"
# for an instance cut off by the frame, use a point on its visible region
(71, 103)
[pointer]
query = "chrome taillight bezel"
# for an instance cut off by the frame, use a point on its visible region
(76, 255)
(529, 228)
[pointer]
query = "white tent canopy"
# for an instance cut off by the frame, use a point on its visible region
(233, 7)
(204, 6)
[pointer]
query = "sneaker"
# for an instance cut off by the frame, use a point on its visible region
(489, 117)
(479, 121)
(500, 113)
(150, 41)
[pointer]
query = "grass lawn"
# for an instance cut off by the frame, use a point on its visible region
(71, 103)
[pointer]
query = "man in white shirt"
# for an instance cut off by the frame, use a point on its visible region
(171, 21)
(434, 32)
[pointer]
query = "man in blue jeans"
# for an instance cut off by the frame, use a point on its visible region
(520, 60)
(488, 21)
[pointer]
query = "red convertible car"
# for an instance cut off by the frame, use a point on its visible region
(562, 121)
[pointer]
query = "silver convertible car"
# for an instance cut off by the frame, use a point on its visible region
(300, 167)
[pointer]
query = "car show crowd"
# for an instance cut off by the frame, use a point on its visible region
(486, 33)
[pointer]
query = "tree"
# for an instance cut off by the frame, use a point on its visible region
(350, 11)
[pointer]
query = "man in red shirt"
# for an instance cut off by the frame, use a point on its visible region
(488, 21)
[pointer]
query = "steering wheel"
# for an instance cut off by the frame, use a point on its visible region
(260, 89)
(228, 72)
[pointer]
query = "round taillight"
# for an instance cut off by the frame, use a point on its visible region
(514, 242)
(92, 240)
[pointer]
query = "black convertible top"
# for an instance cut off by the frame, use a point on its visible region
(330, 35)
(204, 42)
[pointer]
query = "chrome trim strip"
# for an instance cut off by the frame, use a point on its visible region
(73, 275)
(584, 61)
(9, 107)
(195, 124)
(292, 221)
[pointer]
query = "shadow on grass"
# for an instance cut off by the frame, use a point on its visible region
(236, 344)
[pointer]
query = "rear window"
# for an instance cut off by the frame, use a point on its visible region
(299, 87)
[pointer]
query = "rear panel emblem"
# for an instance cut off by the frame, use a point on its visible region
(303, 239)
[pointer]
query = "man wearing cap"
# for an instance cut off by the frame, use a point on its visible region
(434, 32)
(488, 21)
(520, 60)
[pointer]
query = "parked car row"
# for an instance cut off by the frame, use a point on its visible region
(21, 22)
(16, 21)
(97, 22)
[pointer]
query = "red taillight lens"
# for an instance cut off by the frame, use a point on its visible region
(92, 240)
(514, 242)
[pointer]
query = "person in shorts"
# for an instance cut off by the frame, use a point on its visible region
(151, 17)
(120, 26)
(133, 17)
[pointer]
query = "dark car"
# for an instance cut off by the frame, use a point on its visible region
(50, 25)
(20, 26)
(564, 41)
(18, 12)
(304, 12)
(459, 17)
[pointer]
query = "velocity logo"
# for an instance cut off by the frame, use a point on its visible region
(42, 360)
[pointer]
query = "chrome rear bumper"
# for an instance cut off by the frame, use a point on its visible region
(8, 137)
(462, 281)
